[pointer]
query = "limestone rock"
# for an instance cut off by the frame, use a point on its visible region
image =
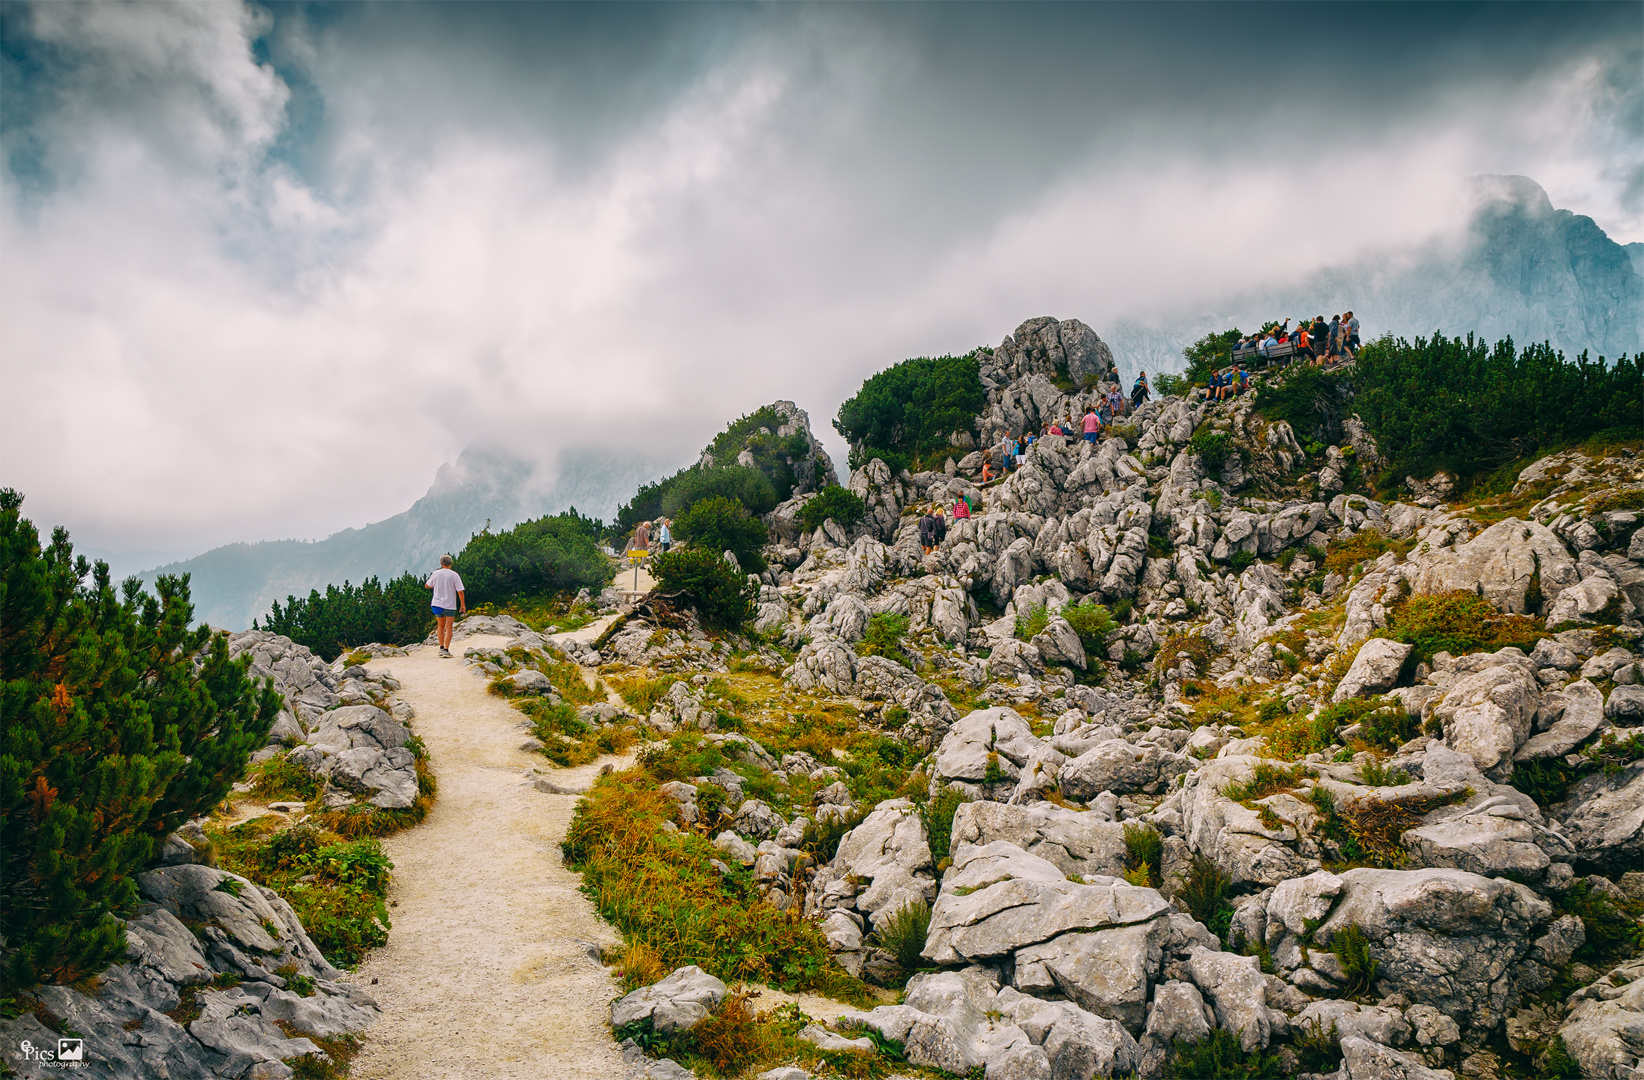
(1375, 669)
(677, 1003)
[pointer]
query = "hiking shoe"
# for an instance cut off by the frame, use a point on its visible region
(445, 653)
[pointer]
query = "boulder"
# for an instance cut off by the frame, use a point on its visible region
(1022, 906)
(1443, 937)
(1362, 1059)
(1105, 972)
(683, 999)
(359, 727)
(530, 681)
(1237, 990)
(1577, 713)
(1608, 830)
(1074, 842)
(1375, 669)
(1487, 714)
(1179, 1012)
(1122, 768)
(996, 737)
(1058, 643)
(1625, 705)
(1499, 565)
(1483, 843)
(1604, 1029)
(1596, 599)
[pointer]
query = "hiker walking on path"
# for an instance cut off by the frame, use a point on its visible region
(642, 538)
(664, 536)
(449, 599)
(927, 532)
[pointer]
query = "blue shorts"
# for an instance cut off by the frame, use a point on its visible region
(1090, 436)
(443, 612)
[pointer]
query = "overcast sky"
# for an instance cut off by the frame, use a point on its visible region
(264, 268)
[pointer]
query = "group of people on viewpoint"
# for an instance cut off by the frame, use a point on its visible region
(1318, 341)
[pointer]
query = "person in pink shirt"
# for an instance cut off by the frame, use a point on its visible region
(961, 509)
(1093, 424)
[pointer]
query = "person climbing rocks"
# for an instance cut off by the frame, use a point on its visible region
(941, 526)
(1093, 424)
(1139, 392)
(961, 509)
(449, 599)
(927, 532)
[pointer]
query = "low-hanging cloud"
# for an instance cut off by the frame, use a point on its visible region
(264, 272)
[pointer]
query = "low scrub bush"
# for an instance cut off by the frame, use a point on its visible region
(903, 936)
(1032, 623)
(717, 525)
(1092, 622)
(938, 816)
(1458, 623)
(1480, 406)
(1144, 855)
(1212, 449)
(1220, 1056)
(549, 555)
(673, 495)
(1267, 779)
(832, 502)
(884, 638)
(661, 889)
(1351, 947)
(1614, 934)
(722, 595)
(281, 778)
(1204, 891)
(1548, 781)
(912, 407)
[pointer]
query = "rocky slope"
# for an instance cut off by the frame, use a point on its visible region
(1426, 858)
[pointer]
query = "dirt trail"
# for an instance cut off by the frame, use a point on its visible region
(487, 973)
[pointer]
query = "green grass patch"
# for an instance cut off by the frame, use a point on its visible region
(342, 906)
(1457, 623)
(1204, 891)
(280, 778)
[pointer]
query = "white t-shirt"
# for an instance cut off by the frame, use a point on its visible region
(447, 584)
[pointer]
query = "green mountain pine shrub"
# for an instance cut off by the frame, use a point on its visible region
(718, 525)
(117, 724)
(721, 594)
(397, 614)
(911, 408)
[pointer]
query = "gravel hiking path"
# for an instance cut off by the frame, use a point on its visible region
(489, 970)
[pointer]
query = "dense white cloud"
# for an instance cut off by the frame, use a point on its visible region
(249, 297)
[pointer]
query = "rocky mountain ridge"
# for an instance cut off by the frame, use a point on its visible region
(1257, 713)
